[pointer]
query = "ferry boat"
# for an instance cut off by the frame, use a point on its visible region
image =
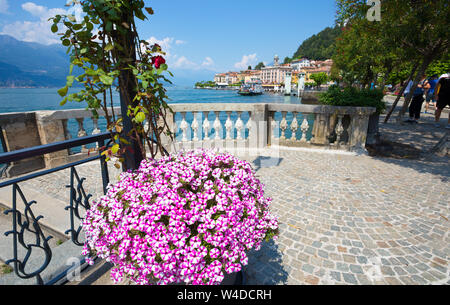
(251, 88)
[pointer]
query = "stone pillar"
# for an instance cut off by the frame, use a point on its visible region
(50, 131)
(260, 120)
(166, 140)
(321, 129)
(19, 131)
(358, 135)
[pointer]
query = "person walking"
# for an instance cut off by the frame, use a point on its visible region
(416, 104)
(430, 86)
(442, 95)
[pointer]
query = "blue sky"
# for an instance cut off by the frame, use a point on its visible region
(202, 37)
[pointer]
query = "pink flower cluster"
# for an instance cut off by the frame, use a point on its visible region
(190, 217)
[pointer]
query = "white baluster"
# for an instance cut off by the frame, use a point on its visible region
(304, 128)
(283, 125)
(228, 125)
(239, 126)
(249, 125)
(273, 125)
(195, 127)
(206, 125)
(217, 126)
(96, 129)
(294, 126)
(184, 126)
(339, 130)
(81, 131)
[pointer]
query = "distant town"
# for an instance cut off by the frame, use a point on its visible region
(315, 73)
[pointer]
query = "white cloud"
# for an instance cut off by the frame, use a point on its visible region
(208, 62)
(247, 60)
(176, 61)
(34, 31)
(165, 44)
(183, 63)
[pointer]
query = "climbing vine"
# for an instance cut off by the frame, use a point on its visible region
(104, 44)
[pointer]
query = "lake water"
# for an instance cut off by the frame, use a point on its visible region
(21, 100)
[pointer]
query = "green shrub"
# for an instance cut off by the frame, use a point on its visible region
(351, 96)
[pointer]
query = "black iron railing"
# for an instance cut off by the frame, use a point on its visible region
(27, 223)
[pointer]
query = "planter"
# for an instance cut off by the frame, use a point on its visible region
(373, 129)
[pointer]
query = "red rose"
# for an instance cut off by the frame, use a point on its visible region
(157, 61)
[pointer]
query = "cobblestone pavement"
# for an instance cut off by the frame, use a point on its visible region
(355, 220)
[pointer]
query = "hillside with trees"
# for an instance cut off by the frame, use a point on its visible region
(320, 46)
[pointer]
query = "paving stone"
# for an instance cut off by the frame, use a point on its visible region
(356, 269)
(349, 278)
(362, 259)
(342, 267)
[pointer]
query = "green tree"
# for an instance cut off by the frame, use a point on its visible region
(416, 32)
(319, 78)
(259, 66)
(287, 60)
(320, 46)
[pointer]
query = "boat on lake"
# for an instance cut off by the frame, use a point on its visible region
(251, 88)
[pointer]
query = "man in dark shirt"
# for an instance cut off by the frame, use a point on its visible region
(442, 97)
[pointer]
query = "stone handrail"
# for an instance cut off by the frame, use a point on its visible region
(229, 126)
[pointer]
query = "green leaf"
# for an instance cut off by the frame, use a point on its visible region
(109, 47)
(54, 28)
(71, 69)
(108, 26)
(63, 91)
(63, 102)
(66, 42)
(70, 80)
(106, 80)
(140, 117)
(115, 148)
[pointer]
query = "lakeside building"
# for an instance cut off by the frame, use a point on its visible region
(298, 64)
(275, 74)
(228, 78)
(249, 76)
(324, 66)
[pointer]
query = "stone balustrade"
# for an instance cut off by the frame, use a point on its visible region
(235, 127)
(239, 127)
(27, 129)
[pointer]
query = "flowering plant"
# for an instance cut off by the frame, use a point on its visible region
(189, 217)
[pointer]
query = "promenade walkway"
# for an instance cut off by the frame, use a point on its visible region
(346, 219)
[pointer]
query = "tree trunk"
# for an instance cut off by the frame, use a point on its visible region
(442, 147)
(400, 94)
(426, 62)
(127, 83)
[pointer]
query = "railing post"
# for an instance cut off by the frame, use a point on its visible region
(103, 166)
(260, 118)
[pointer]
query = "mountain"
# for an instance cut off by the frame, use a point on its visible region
(27, 64)
(320, 46)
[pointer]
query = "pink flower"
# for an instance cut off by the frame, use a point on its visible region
(189, 217)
